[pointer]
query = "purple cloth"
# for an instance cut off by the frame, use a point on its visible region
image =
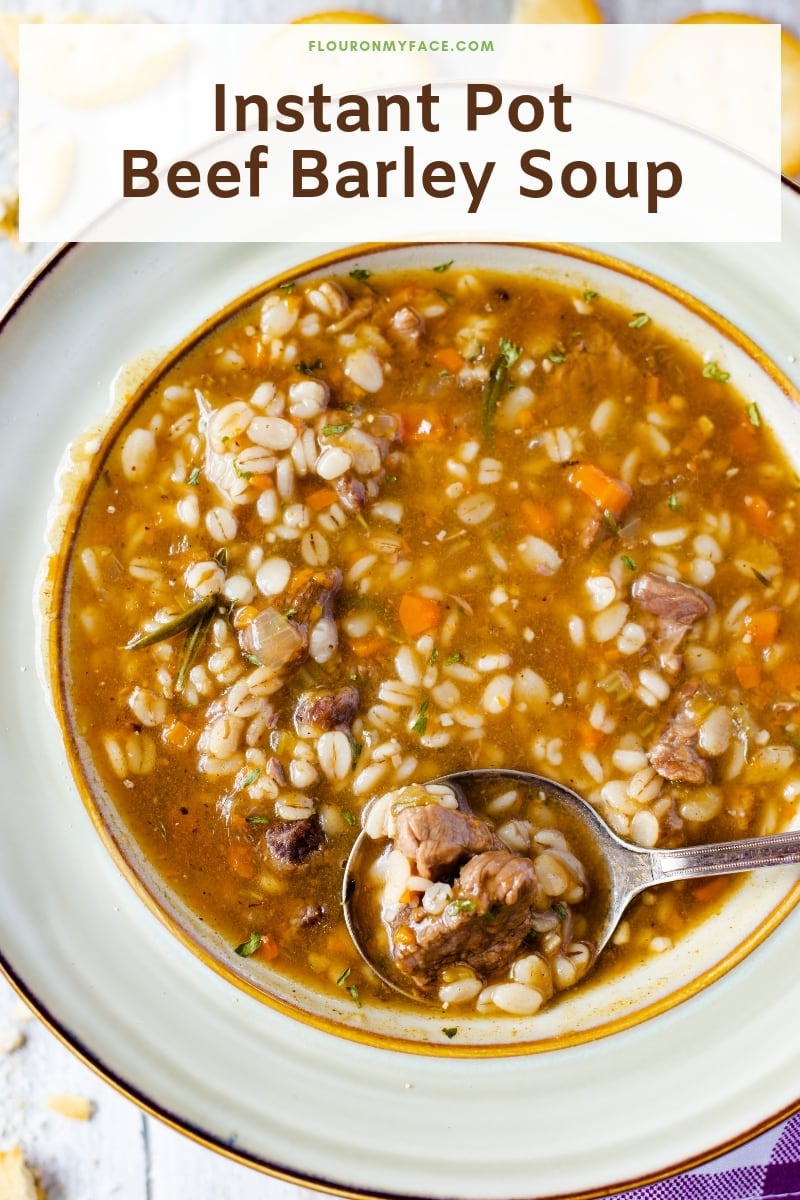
(767, 1168)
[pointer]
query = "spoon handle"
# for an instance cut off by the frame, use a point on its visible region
(724, 858)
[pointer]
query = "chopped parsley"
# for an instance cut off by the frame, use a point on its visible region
(250, 778)
(421, 723)
(673, 502)
(250, 946)
(360, 273)
(443, 295)
(560, 911)
(713, 370)
(638, 321)
(194, 478)
(330, 430)
(287, 287)
(353, 990)
(348, 817)
(509, 351)
(442, 267)
(449, 1031)
(355, 749)
(344, 975)
(462, 905)
(434, 656)
(611, 521)
(556, 356)
(257, 819)
(253, 660)
(628, 562)
(589, 296)
(245, 475)
(455, 657)
(309, 368)
(753, 415)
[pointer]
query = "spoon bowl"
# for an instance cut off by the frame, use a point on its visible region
(617, 870)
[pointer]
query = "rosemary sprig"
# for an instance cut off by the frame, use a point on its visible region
(191, 646)
(185, 620)
(492, 391)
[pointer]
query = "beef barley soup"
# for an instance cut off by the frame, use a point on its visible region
(374, 528)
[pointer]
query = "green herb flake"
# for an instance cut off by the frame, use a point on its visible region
(330, 430)
(434, 658)
(250, 946)
(390, 479)
(713, 370)
(589, 296)
(442, 267)
(639, 321)
(561, 911)
(253, 660)
(611, 521)
(344, 975)
(449, 1031)
(353, 990)
(356, 749)
(250, 778)
(309, 368)
(455, 657)
(348, 817)
(240, 474)
(257, 819)
(443, 295)
(194, 478)
(673, 502)
(753, 415)
(462, 905)
(360, 273)
(509, 351)
(221, 557)
(161, 829)
(191, 645)
(421, 723)
(762, 579)
(287, 287)
(490, 396)
(556, 356)
(628, 562)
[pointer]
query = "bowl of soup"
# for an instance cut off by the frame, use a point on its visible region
(401, 511)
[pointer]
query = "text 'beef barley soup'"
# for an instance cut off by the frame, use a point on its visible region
(375, 528)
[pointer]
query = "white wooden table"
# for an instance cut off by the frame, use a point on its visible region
(120, 1153)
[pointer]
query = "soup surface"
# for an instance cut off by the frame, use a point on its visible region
(375, 528)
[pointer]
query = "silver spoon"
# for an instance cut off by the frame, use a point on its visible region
(617, 870)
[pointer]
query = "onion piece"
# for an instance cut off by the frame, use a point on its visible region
(272, 639)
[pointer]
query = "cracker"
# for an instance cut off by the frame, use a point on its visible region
(17, 1181)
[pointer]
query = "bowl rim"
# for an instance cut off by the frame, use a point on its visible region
(151, 1106)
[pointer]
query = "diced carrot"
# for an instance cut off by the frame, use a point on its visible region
(748, 674)
(537, 517)
(449, 358)
(179, 735)
(709, 889)
(369, 647)
(759, 514)
(590, 737)
(744, 440)
(651, 387)
(420, 422)
(787, 675)
(763, 627)
(241, 861)
(262, 483)
(418, 614)
(323, 498)
(609, 494)
(268, 949)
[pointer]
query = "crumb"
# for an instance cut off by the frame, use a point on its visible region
(11, 1040)
(21, 1012)
(77, 1108)
(9, 213)
(17, 1181)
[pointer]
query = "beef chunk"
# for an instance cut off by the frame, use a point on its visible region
(483, 927)
(311, 915)
(675, 607)
(291, 843)
(351, 492)
(319, 711)
(311, 594)
(675, 753)
(437, 839)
